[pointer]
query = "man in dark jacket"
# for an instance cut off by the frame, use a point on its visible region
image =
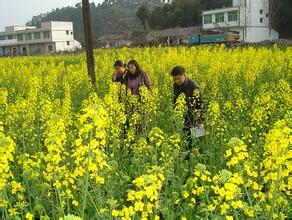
(194, 117)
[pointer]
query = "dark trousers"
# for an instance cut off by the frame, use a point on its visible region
(191, 141)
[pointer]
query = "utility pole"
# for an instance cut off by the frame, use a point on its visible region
(270, 18)
(88, 42)
(245, 17)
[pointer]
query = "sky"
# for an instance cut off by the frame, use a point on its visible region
(18, 12)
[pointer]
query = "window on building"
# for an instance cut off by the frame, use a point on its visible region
(261, 11)
(2, 37)
(67, 32)
(232, 16)
(207, 19)
(267, 15)
(261, 20)
(24, 50)
(46, 34)
(10, 37)
(68, 43)
(50, 48)
(71, 32)
(37, 35)
(28, 36)
(14, 51)
(19, 37)
(219, 17)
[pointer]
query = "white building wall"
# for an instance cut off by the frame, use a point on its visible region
(77, 45)
(8, 42)
(61, 38)
(257, 34)
(253, 23)
(62, 46)
(253, 13)
(238, 3)
(274, 34)
(224, 24)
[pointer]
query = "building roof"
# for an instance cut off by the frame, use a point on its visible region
(115, 37)
(218, 10)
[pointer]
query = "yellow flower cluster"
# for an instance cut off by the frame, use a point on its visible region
(266, 184)
(145, 197)
(277, 166)
(7, 151)
(89, 156)
(237, 152)
(179, 111)
(159, 149)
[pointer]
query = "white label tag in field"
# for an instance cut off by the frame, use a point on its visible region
(197, 132)
(200, 132)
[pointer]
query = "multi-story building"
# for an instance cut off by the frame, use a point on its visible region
(51, 37)
(251, 18)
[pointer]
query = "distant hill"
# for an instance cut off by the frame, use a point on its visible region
(105, 18)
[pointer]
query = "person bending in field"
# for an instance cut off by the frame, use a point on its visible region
(194, 117)
(120, 72)
(136, 77)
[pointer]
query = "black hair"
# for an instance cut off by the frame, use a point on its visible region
(135, 63)
(178, 71)
(119, 63)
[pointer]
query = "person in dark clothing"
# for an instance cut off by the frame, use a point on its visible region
(194, 117)
(120, 72)
(136, 77)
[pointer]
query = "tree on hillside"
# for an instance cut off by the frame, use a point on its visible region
(143, 15)
(181, 13)
(281, 16)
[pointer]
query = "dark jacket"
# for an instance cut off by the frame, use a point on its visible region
(194, 103)
(119, 78)
(133, 82)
